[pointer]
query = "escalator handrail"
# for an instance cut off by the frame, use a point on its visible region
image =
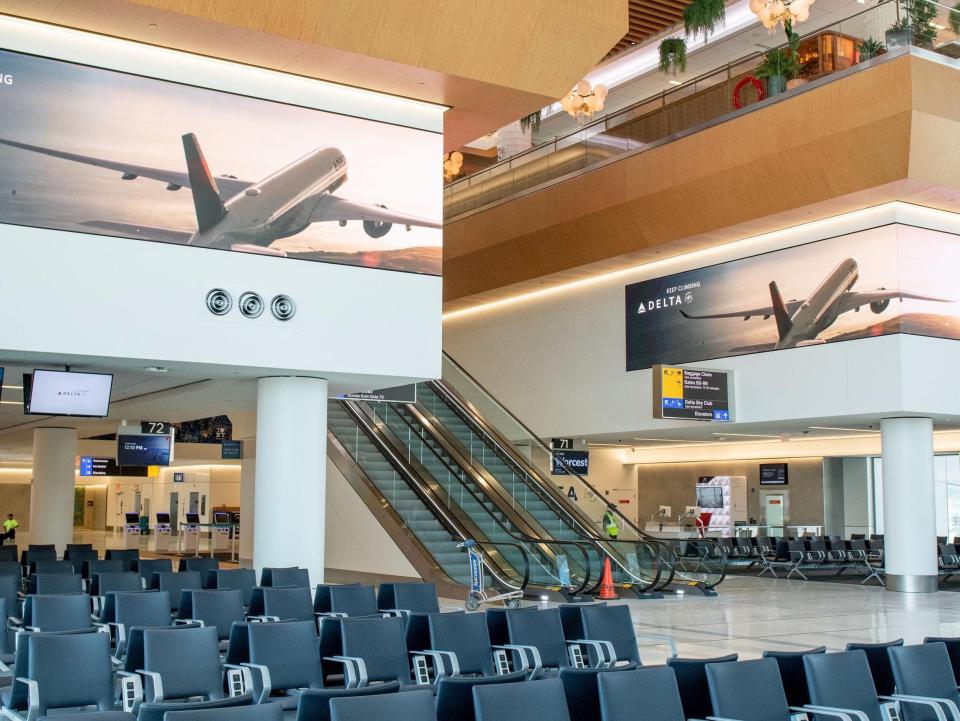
(519, 537)
(523, 552)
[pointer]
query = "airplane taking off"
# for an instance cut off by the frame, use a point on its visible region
(799, 322)
(245, 215)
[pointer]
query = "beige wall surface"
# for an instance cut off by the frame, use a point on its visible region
(674, 484)
(15, 499)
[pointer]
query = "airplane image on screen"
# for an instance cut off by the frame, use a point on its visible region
(246, 215)
(799, 322)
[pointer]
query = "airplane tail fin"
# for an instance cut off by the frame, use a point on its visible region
(206, 197)
(784, 324)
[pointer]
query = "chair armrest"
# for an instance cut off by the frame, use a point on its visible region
(606, 656)
(262, 678)
(440, 670)
(155, 687)
(131, 691)
(529, 655)
(929, 701)
(720, 718)
(263, 619)
(666, 640)
(187, 622)
(841, 713)
(397, 612)
(245, 673)
(354, 668)
(33, 697)
(329, 614)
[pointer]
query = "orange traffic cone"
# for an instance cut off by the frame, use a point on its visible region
(606, 583)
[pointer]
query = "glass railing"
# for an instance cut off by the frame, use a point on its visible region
(698, 102)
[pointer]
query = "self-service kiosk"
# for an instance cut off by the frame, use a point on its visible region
(190, 534)
(220, 533)
(131, 530)
(163, 533)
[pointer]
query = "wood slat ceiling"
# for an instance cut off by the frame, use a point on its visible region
(649, 18)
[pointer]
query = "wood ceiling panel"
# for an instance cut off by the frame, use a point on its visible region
(861, 139)
(649, 18)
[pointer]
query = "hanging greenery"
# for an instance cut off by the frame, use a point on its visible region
(954, 19)
(530, 122)
(703, 16)
(673, 55)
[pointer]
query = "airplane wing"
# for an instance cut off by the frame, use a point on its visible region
(852, 300)
(765, 312)
(228, 187)
(330, 207)
(128, 230)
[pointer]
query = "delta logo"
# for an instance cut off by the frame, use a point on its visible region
(6, 79)
(671, 299)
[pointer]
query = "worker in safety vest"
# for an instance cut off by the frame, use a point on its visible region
(9, 528)
(610, 523)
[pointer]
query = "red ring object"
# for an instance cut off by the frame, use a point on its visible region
(749, 80)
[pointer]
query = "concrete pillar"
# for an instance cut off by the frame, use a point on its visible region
(51, 493)
(247, 502)
(909, 505)
(291, 474)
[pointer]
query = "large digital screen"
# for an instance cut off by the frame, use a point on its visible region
(859, 285)
(143, 450)
(773, 474)
(710, 496)
(68, 393)
(691, 394)
(99, 151)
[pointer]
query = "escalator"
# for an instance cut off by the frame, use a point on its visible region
(428, 512)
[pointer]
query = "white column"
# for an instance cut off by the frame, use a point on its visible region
(909, 505)
(51, 493)
(247, 495)
(291, 470)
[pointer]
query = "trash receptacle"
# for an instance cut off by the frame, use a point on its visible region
(144, 525)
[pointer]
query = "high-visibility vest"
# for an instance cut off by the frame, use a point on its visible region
(9, 525)
(610, 522)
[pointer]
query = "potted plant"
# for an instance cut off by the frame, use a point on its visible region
(673, 55)
(898, 34)
(870, 48)
(776, 67)
(530, 123)
(954, 19)
(914, 25)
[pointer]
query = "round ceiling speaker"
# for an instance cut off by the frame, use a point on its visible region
(283, 307)
(219, 301)
(250, 304)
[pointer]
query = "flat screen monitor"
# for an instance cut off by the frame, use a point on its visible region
(773, 474)
(163, 518)
(221, 517)
(135, 450)
(63, 393)
(132, 518)
(27, 390)
(710, 496)
(193, 518)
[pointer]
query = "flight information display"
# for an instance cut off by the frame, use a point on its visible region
(691, 394)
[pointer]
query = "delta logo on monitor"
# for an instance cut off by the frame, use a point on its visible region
(105, 152)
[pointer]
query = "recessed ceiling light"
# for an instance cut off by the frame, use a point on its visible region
(156, 369)
(675, 82)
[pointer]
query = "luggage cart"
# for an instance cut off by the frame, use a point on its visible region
(478, 594)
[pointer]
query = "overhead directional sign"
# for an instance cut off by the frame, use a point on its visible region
(691, 394)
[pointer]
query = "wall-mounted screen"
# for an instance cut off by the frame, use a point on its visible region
(99, 151)
(710, 496)
(691, 394)
(93, 466)
(773, 474)
(860, 285)
(143, 450)
(62, 393)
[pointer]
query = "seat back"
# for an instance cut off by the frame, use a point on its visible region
(60, 613)
(79, 556)
(289, 650)
(32, 555)
(20, 666)
(412, 706)
(266, 575)
(613, 624)
(289, 577)
(380, 642)
(748, 690)
(9, 553)
(51, 567)
(192, 710)
(134, 657)
(9, 588)
(218, 609)
(646, 694)
(92, 568)
(321, 598)
(924, 670)
(353, 600)
(692, 681)
(259, 712)
(242, 579)
(842, 680)
(146, 567)
(521, 701)
(187, 659)
(143, 609)
(53, 584)
(455, 694)
(464, 634)
(542, 630)
(175, 584)
(201, 564)
(128, 556)
(414, 597)
(581, 690)
(90, 678)
(10, 568)
(314, 704)
(497, 622)
(879, 661)
(103, 583)
(288, 603)
(792, 673)
(953, 650)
